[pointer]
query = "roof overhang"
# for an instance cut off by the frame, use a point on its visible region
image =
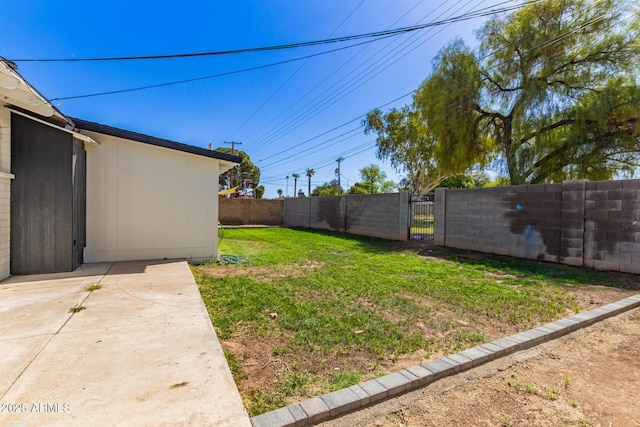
(84, 138)
(15, 90)
(226, 161)
(225, 166)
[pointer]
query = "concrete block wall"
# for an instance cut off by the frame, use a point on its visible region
(5, 193)
(250, 211)
(328, 213)
(297, 212)
(378, 215)
(612, 225)
(595, 224)
(521, 221)
(573, 223)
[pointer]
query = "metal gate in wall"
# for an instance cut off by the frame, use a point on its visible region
(421, 217)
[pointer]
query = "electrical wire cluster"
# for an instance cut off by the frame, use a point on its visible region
(344, 80)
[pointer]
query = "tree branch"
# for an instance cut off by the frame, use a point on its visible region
(484, 113)
(498, 85)
(553, 126)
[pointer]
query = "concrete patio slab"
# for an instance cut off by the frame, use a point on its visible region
(17, 354)
(142, 352)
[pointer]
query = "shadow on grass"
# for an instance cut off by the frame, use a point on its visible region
(367, 244)
(532, 269)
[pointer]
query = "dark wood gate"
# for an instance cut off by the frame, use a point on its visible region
(48, 200)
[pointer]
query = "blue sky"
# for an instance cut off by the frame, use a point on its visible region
(272, 111)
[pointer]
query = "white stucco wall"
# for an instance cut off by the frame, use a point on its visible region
(147, 202)
(5, 192)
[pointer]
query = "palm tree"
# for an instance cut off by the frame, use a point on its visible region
(295, 182)
(310, 172)
(287, 194)
(280, 192)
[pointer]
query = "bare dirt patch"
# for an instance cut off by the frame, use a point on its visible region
(258, 361)
(589, 378)
(261, 272)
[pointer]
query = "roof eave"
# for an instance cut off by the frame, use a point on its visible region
(20, 94)
(158, 142)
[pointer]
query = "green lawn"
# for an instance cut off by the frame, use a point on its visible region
(349, 308)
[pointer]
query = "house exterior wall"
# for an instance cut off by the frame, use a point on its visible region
(147, 202)
(5, 192)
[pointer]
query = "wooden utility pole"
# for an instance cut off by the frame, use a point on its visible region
(339, 159)
(233, 151)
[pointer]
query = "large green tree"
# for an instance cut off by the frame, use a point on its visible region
(551, 93)
(404, 139)
(246, 175)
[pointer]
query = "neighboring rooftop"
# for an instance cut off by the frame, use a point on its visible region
(152, 140)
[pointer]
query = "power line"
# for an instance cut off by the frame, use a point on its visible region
(341, 125)
(296, 71)
(354, 151)
(299, 99)
(306, 116)
(228, 73)
(318, 147)
(374, 34)
(545, 44)
(309, 110)
(460, 18)
(337, 94)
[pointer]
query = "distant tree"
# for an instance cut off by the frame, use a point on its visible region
(358, 188)
(480, 179)
(245, 172)
(295, 182)
(366, 188)
(310, 173)
(258, 191)
(373, 178)
(279, 191)
(388, 187)
(500, 181)
(327, 189)
(287, 193)
(475, 180)
(404, 139)
(458, 181)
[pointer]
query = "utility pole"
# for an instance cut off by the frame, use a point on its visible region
(339, 159)
(233, 151)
